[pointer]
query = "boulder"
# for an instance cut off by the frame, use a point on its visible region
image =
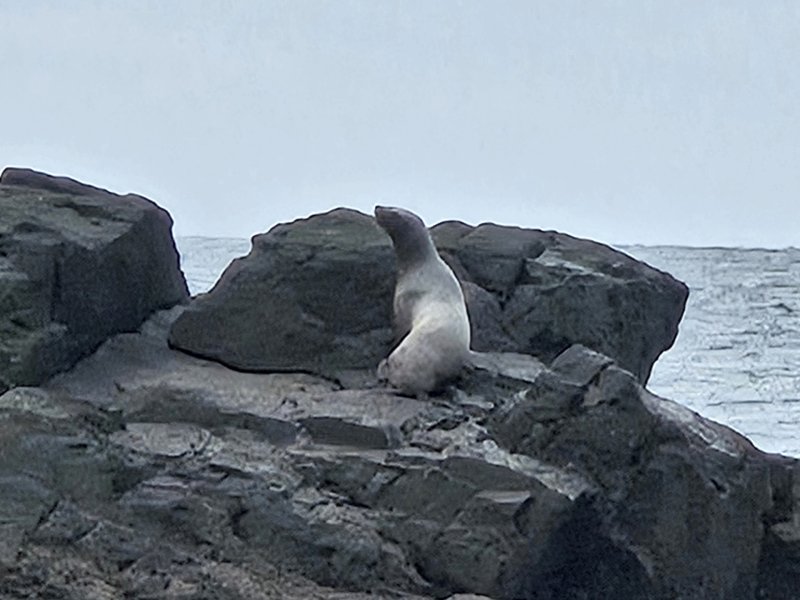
(145, 472)
(315, 295)
(77, 265)
(548, 291)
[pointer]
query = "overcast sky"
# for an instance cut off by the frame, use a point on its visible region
(630, 121)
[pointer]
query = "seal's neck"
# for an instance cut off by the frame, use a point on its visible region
(413, 247)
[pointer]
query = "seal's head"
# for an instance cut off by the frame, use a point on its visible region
(410, 237)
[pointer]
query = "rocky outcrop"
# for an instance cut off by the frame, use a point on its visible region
(148, 473)
(145, 472)
(77, 265)
(315, 296)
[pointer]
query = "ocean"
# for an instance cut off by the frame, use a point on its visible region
(737, 356)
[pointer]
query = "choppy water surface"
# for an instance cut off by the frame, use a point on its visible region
(737, 356)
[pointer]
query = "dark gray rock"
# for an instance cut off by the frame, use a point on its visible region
(680, 492)
(77, 265)
(315, 295)
(554, 290)
(147, 473)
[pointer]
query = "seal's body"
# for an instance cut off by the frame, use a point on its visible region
(430, 316)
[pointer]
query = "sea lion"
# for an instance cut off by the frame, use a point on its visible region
(430, 317)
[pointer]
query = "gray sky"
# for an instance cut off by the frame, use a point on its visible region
(630, 121)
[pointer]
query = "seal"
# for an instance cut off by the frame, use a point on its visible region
(430, 316)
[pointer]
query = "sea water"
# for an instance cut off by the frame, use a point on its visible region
(737, 356)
